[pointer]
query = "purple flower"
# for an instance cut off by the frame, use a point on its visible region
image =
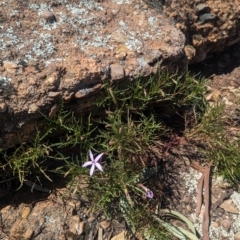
(149, 193)
(93, 162)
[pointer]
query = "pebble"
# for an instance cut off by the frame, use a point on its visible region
(3, 107)
(226, 224)
(91, 219)
(121, 56)
(79, 95)
(120, 236)
(117, 71)
(33, 108)
(28, 234)
(69, 96)
(188, 207)
(225, 185)
(105, 224)
(186, 160)
(203, 8)
(11, 67)
(51, 80)
(53, 111)
(54, 94)
(237, 236)
(26, 211)
(190, 52)
(216, 224)
(49, 16)
(6, 209)
(206, 17)
(231, 208)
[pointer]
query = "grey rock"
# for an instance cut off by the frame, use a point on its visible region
(49, 16)
(54, 94)
(117, 72)
(203, 8)
(206, 17)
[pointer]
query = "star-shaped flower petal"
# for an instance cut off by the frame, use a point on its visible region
(93, 162)
(149, 193)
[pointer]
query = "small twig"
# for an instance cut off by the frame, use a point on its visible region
(199, 195)
(206, 220)
(204, 181)
(36, 187)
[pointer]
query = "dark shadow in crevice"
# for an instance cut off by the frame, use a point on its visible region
(218, 63)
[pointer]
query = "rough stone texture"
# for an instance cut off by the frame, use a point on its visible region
(209, 25)
(65, 49)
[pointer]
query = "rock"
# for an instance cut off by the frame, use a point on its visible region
(120, 236)
(26, 211)
(237, 236)
(68, 60)
(206, 17)
(54, 94)
(28, 234)
(3, 107)
(229, 207)
(51, 80)
(88, 91)
(121, 56)
(117, 72)
(198, 40)
(6, 209)
(190, 52)
(91, 219)
(69, 96)
(53, 111)
(49, 16)
(105, 224)
(223, 184)
(189, 208)
(209, 19)
(216, 224)
(226, 224)
(203, 8)
(76, 227)
(11, 67)
(33, 108)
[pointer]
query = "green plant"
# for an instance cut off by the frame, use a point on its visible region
(126, 121)
(219, 146)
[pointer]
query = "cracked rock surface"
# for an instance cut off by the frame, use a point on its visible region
(65, 49)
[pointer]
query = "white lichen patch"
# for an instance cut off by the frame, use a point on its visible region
(85, 91)
(40, 8)
(82, 25)
(122, 1)
(43, 47)
(236, 199)
(191, 180)
(54, 60)
(219, 232)
(152, 20)
(8, 38)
